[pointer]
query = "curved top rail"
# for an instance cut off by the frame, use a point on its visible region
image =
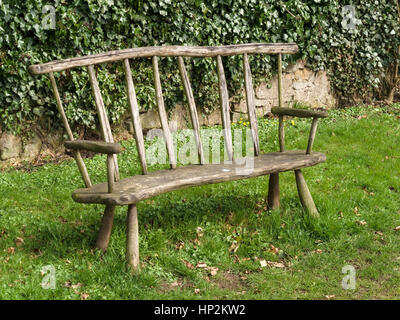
(164, 51)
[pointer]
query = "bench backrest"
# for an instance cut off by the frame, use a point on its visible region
(154, 53)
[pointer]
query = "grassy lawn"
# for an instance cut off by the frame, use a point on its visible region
(225, 226)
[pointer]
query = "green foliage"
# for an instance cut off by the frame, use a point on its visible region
(355, 58)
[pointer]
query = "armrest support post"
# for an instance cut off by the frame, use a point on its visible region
(110, 173)
(312, 135)
(281, 134)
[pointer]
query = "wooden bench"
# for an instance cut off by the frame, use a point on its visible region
(130, 191)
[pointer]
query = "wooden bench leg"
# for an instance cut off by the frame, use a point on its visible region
(105, 228)
(305, 195)
(132, 239)
(273, 191)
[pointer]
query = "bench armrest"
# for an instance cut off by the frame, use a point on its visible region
(301, 113)
(94, 146)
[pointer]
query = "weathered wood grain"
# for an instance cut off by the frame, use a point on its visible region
(225, 110)
(101, 111)
(192, 108)
(134, 110)
(110, 173)
(280, 98)
(300, 113)
(134, 189)
(103, 237)
(305, 195)
(311, 138)
(78, 158)
(251, 110)
(164, 51)
(163, 115)
(132, 239)
(94, 146)
(281, 134)
(273, 200)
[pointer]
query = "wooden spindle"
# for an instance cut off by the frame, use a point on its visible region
(78, 158)
(134, 110)
(104, 123)
(280, 99)
(225, 110)
(281, 134)
(110, 173)
(251, 110)
(192, 108)
(311, 138)
(163, 115)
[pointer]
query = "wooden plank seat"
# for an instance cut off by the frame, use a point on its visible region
(134, 189)
(129, 191)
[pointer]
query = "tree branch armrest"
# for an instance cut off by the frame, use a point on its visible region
(300, 113)
(94, 146)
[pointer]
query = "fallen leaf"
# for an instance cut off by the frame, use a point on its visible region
(67, 261)
(356, 211)
(213, 270)
(234, 247)
(11, 250)
(199, 232)
(19, 241)
(277, 264)
(263, 263)
(188, 264)
(361, 222)
(330, 296)
(201, 265)
(397, 228)
(196, 291)
(318, 251)
(273, 249)
(176, 284)
(84, 296)
(379, 233)
(180, 245)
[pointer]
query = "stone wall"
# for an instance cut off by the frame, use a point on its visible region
(300, 84)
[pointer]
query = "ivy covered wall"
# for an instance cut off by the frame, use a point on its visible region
(355, 47)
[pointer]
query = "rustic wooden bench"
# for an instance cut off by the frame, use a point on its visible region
(130, 191)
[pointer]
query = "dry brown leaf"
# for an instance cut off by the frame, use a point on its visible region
(379, 233)
(361, 222)
(234, 247)
(19, 241)
(277, 264)
(197, 291)
(318, 251)
(332, 296)
(180, 245)
(176, 283)
(213, 270)
(263, 263)
(11, 250)
(397, 228)
(356, 211)
(84, 296)
(200, 232)
(273, 249)
(188, 264)
(201, 265)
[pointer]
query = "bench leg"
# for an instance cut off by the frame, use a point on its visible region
(304, 194)
(132, 238)
(105, 228)
(273, 191)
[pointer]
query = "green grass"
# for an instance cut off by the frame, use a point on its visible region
(361, 171)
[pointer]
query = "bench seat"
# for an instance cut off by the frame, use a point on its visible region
(134, 189)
